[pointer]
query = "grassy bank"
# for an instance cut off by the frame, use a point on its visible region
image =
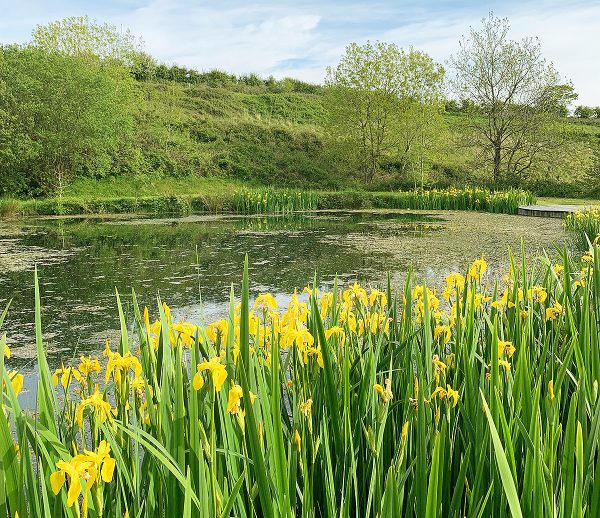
(568, 201)
(224, 197)
(350, 403)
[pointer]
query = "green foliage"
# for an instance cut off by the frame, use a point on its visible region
(353, 403)
(176, 123)
(516, 95)
(79, 36)
(584, 225)
(267, 200)
(65, 115)
(273, 201)
(383, 104)
(436, 199)
(585, 112)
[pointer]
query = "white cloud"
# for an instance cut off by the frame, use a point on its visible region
(243, 39)
(301, 39)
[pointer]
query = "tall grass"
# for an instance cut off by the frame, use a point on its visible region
(272, 201)
(584, 224)
(268, 200)
(474, 198)
(481, 400)
(276, 201)
(9, 208)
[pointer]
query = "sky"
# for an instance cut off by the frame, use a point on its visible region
(301, 38)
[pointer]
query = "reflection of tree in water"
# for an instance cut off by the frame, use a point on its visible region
(175, 257)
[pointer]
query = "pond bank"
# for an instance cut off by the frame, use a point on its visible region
(271, 200)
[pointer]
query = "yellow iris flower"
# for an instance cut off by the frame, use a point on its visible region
(447, 393)
(553, 311)
(118, 364)
(84, 466)
(102, 408)
(66, 375)
(385, 394)
(217, 371)
(236, 393)
(265, 302)
(88, 365)
(477, 269)
(16, 380)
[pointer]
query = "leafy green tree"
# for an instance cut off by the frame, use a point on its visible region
(452, 106)
(558, 98)
(420, 121)
(362, 97)
(376, 99)
(80, 36)
(143, 66)
(65, 115)
(584, 112)
(515, 93)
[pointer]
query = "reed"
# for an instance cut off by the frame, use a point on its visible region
(479, 400)
(584, 224)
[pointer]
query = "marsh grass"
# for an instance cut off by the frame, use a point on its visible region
(232, 198)
(9, 208)
(584, 225)
(482, 400)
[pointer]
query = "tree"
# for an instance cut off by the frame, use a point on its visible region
(67, 115)
(584, 112)
(79, 36)
(514, 93)
(143, 66)
(422, 102)
(557, 99)
(370, 97)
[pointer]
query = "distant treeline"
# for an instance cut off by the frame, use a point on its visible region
(220, 79)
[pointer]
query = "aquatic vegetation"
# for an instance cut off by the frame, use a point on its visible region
(480, 400)
(469, 198)
(273, 201)
(250, 201)
(584, 224)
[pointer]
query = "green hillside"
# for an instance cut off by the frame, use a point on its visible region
(255, 137)
(261, 137)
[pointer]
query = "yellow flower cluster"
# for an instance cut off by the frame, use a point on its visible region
(85, 466)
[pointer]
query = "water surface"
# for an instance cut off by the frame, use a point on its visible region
(82, 260)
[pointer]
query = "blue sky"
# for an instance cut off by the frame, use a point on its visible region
(300, 39)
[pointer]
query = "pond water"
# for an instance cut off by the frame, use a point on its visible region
(81, 261)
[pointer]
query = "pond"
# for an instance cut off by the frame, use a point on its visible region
(81, 261)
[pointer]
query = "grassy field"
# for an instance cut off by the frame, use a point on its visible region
(191, 137)
(257, 136)
(477, 401)
(140, 185)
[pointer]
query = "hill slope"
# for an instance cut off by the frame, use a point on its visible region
(250, 134)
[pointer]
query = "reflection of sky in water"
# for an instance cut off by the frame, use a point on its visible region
(81, 262)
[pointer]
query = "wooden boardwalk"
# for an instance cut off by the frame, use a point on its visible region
(548, 211)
